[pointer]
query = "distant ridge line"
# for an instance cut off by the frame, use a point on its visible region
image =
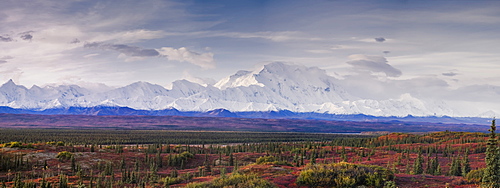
(282, 114)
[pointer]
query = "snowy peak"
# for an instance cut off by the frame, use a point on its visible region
(247, 78)
(142, 89)
(241, 78)
(282, 68)
(9, 83)
(293, 75)
(184, 88)
(285, 78)
(272, 87)
(11, 86)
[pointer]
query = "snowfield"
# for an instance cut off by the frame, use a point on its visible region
(276, 86)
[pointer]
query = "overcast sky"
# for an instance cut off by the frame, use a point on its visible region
(411, 44)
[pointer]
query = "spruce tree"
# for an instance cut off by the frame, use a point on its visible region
(429, 169)
(418, 165)
(231, 159)
(491, 177)
(465, 164)
(435, 166)
(455, 169)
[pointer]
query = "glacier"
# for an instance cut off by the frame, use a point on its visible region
(273, 87)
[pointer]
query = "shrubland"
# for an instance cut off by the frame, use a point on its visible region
(88, 158)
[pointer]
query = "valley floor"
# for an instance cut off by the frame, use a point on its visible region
(441, 159)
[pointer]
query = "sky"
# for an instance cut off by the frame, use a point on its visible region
(376, 47)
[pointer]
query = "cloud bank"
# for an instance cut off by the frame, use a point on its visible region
(5, 39)
(373, 64)
(203, 60)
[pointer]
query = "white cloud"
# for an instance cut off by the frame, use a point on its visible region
(483, 93)
(280, 36)
(90, 55)
(449, 74)
(204, 60)
(319, 51)
(373, 64)
(11, 73)
(4, 59)
(488, 15)
(276, 36)
(202, 81)
(134, 53)
(129, 36)
(127, 50)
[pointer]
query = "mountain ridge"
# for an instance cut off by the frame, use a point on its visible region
(276, 86)
(283, 114)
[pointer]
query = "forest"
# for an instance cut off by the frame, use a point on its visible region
(62, 158)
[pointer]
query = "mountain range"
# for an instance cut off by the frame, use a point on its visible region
(277, 86)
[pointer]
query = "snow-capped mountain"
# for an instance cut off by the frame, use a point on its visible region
(275, 86)
(17, 96)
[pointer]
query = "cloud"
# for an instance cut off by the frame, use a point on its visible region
(11, 73)
(280, 36)
(276, 36)
(129, 36)
(380, 39)
(7, 57)
(26, 35)
(374, 87)
(416, 84)
(202, 81)
(476, 92)
(124, 49)
(90, 55)
(5, 39)
(373, 64)
(204, 60)
(4, 59)
(319, 51)
(449, 74)
(134, 51)
(75, 41)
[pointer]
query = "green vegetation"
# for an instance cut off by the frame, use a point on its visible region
(475, 176)
(265, 159)
(60, 137)
(344, 175)
(491, 175)
(152, 158)
(15, 144)
(235, 180)
(64, 155)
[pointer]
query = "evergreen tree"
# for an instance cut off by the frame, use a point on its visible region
(429, 169)
(455, 169)
(465, 164)
(231, 159)
(435, 166)
(491, 176)
(418, 165)
(159, 161)
(438, 170)
(73, 163)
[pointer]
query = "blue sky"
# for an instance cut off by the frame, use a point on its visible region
(378, 45)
